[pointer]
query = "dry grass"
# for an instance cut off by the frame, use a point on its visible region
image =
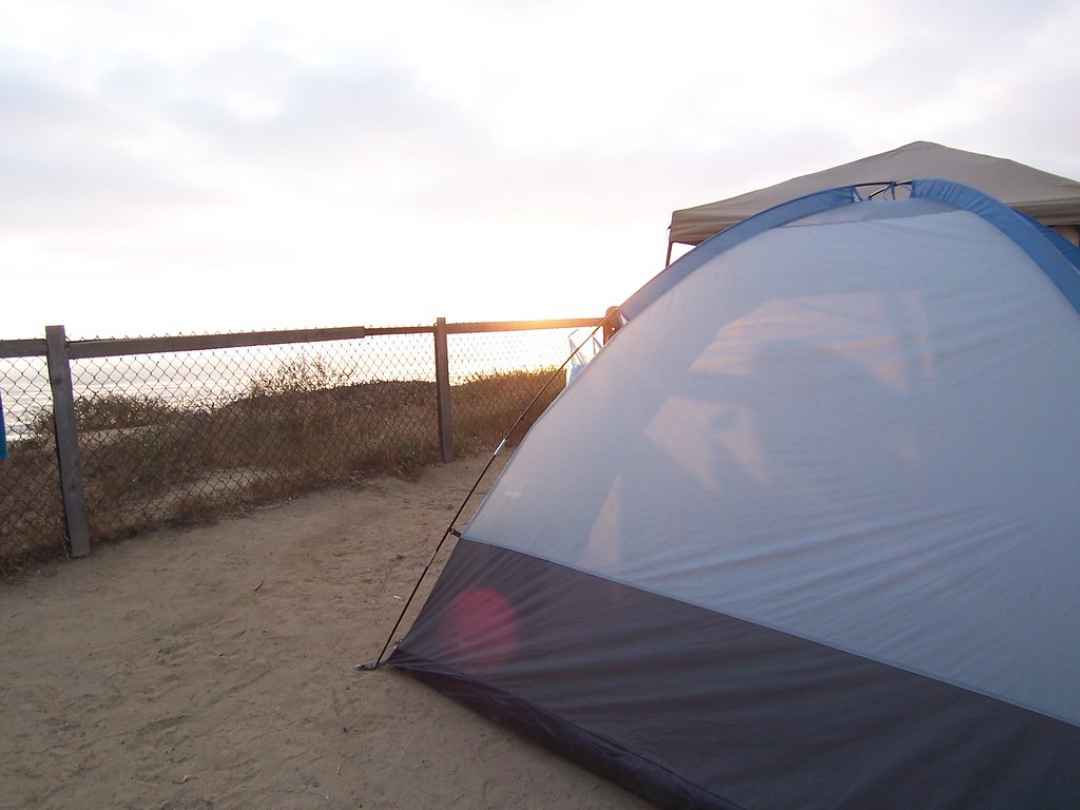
(147, 462)
(108, 411)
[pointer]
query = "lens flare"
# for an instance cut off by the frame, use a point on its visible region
(480, 630)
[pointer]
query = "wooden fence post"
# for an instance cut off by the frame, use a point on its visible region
(67, 443)
(442, 385)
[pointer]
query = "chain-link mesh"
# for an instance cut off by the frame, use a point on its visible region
(494, 376)
(183, 436)
(31, 516)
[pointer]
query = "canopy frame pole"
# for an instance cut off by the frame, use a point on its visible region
(373, 665)
(890, 187)
(667, 259)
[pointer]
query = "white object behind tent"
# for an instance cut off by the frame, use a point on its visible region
(585, 345)
(1049, 198)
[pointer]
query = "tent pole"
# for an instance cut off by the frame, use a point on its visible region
(450, 527)
(667, 260)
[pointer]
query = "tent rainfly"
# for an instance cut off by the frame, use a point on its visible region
(1053, 200)
(804, 535)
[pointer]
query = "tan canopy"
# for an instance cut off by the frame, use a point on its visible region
(1051, 199)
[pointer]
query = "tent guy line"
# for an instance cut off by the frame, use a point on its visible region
(450, 528)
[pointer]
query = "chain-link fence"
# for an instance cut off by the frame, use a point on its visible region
(31, 520)
(495, 375)
(180, 437)
(176, 437)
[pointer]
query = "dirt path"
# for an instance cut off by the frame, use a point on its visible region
(161, 674)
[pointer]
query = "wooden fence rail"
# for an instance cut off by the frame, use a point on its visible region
(30, 347)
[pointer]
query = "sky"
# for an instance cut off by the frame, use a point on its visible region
(179, 167)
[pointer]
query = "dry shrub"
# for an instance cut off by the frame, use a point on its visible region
(485, 406)
(147, 462)
(108, 411)
(33, 527)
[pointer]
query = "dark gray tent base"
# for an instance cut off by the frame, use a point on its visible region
(692, 708)
(601, 756)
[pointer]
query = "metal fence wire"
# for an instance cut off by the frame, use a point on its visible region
(178, 437)
(494, 375)
(31, 517)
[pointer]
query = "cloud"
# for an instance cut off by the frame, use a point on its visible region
(247, 122)
(262, 106)
(33, 106)
(260, 141)
(646, 185)
(1037, 119)
(62, 165)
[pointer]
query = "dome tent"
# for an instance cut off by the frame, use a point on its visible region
(818, 548)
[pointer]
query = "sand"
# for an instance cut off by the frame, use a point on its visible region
(212, 668)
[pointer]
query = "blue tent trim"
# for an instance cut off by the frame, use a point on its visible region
(1028, 237)
(1059, 259)
(1067, 248)
(735, 235)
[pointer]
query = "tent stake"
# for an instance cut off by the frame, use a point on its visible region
(373, 665)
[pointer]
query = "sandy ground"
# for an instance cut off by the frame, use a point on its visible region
(211, 668)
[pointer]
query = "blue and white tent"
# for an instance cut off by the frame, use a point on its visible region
(805, 534)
